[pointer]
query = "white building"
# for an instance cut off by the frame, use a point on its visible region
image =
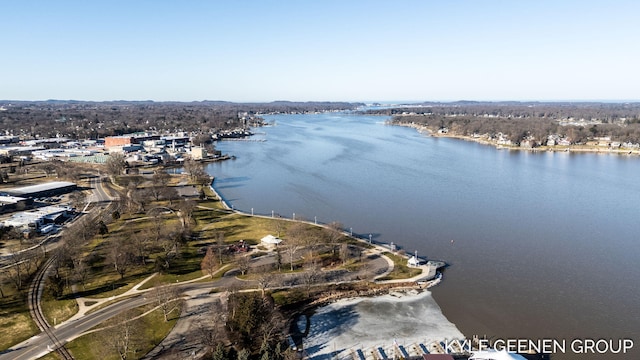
(198, 153)
(35, 219)
(270, 241)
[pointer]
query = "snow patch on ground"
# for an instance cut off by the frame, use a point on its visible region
(339, 329)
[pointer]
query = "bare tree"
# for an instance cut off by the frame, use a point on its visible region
(185, 211)
(119, 255)
(264, 277)
(48, 167)
(124, 338)
(170, 244)
(295, 240)
(244, 263)
(157, 225)
(344, 252)
(333, 234)
(310, 276)
(155, 191)
(81, 272)
(167, 299)
(3, 279)
(278, 226)
(138, 198)
(78, 234)
(77, 199)
(169, 193)
(271, 330)
(220, 244)
(115, 164)
(209, 263)
(161, 178)
(140, 242)
(16, 270)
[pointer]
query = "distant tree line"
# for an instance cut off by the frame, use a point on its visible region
(576, 121)
(92, 120)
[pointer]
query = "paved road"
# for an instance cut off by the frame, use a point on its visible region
(40, 345)
(36, 346)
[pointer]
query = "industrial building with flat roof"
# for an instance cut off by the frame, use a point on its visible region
(45, 189)
(38, 217)
(13, 203)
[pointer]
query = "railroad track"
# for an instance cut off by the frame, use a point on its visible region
(35, 293)
(37, 286)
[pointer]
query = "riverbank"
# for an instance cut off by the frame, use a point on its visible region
(428, 276)
(505, 214)
(403, 311)
(500, 146)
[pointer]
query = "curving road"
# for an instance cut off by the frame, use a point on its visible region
(41, 344)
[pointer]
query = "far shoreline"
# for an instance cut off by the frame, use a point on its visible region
(550, 149)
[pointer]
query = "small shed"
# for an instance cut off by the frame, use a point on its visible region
(270, 241)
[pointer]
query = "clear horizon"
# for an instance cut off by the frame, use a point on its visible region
(264, 51)
(388, 102)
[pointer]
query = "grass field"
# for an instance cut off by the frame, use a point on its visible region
(400, 268)
(147, 332)
(211, 223)
(15, 320)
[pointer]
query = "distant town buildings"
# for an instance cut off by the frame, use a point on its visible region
(145, 148)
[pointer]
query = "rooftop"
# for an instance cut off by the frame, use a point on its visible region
(39, 187)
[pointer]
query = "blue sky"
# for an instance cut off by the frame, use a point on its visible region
(320, 50)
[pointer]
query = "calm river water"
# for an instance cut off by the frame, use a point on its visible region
(545, 245)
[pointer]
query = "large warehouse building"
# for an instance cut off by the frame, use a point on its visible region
(40, 190)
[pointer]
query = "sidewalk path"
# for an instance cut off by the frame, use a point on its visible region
(83, 308)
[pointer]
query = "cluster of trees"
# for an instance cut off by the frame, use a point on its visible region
(71, 265)
(129, 247)
(605, 112)
(196, 172)
(21, 264)
(252, 322)
(521, 120)
(92, 120)
(62, 169)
